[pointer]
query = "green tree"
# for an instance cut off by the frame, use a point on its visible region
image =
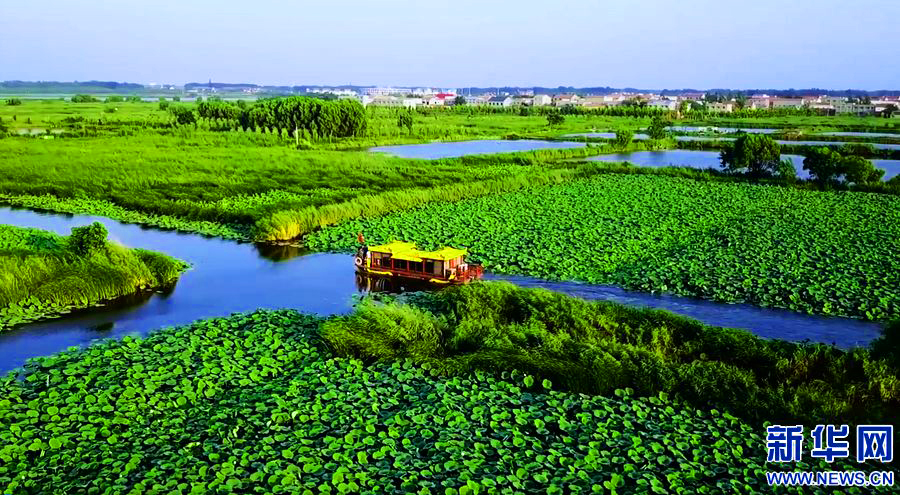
(88, 239)
(623, 138)
(183, 114)
(555, 119)
(3, 128)
(823, 165)
(13, 102)
(459, 101)
(858, 170)
(405, 119)
(755, 155)
(114, 99)
(786, 170)
(828, 167)
(83, 99)
(889, 111)
(657, 129)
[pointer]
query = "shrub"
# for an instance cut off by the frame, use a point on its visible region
(83, 99)
(623, 138)
(13, 102)
(555, 119)
(88, 239)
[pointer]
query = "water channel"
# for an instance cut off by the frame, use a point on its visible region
(229, 277)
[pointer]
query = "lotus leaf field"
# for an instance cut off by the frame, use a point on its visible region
(831, 253)
(41, 276)
(255, 404)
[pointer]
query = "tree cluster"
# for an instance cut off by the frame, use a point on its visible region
(828, 167)
(83, 99)
(756, 156)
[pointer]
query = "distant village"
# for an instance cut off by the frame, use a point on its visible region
(430, 97)
(417, 97)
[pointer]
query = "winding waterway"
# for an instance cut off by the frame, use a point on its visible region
(228, 277)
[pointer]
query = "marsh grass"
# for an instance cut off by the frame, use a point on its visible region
(598, 347)
(41, 274)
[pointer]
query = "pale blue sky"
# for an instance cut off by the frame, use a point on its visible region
(835, 44)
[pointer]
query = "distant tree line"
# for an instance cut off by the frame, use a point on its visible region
(315, 117)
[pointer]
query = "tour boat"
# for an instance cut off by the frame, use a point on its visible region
(403, 260)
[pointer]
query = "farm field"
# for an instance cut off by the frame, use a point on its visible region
(43, 274)
(258, 403)
(832, 253)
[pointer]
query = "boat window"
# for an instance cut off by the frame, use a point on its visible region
(429, 266)
(400, 264)
(415, 266)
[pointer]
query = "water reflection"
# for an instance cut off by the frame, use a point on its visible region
(280, 252)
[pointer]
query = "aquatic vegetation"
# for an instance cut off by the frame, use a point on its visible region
(596, 347)
(832, 253)
(253, 404)
(43, 274)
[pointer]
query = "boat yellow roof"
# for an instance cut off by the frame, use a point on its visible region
(407, 251)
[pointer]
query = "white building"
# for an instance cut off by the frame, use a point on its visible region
(395, 101)
(541, 100)
(787, 103)
(664, 104)
(500, 101)
(565, 99)
(720, 107)
(432, 101)
(854, 108)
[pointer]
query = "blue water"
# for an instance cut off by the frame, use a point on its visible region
(431, 151)
(680, 158)
(228, 277)
(640, 137)
(866, 134)
(749, 130)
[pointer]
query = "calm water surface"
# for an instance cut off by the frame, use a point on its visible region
(230, 277)
(707, 159)
(431, 151)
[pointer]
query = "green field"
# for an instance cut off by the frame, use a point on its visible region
(43, 274)
(242, 185)
(820, 252)
(257, 403)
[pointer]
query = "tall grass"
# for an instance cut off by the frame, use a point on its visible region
(233, 180)
(597, 347)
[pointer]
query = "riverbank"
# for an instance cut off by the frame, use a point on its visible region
(43, 275)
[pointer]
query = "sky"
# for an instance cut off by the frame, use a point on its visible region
(702, 44)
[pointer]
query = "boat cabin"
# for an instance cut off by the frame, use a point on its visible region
(403, 259)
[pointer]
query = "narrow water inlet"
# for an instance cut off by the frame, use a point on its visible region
(228, 277)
